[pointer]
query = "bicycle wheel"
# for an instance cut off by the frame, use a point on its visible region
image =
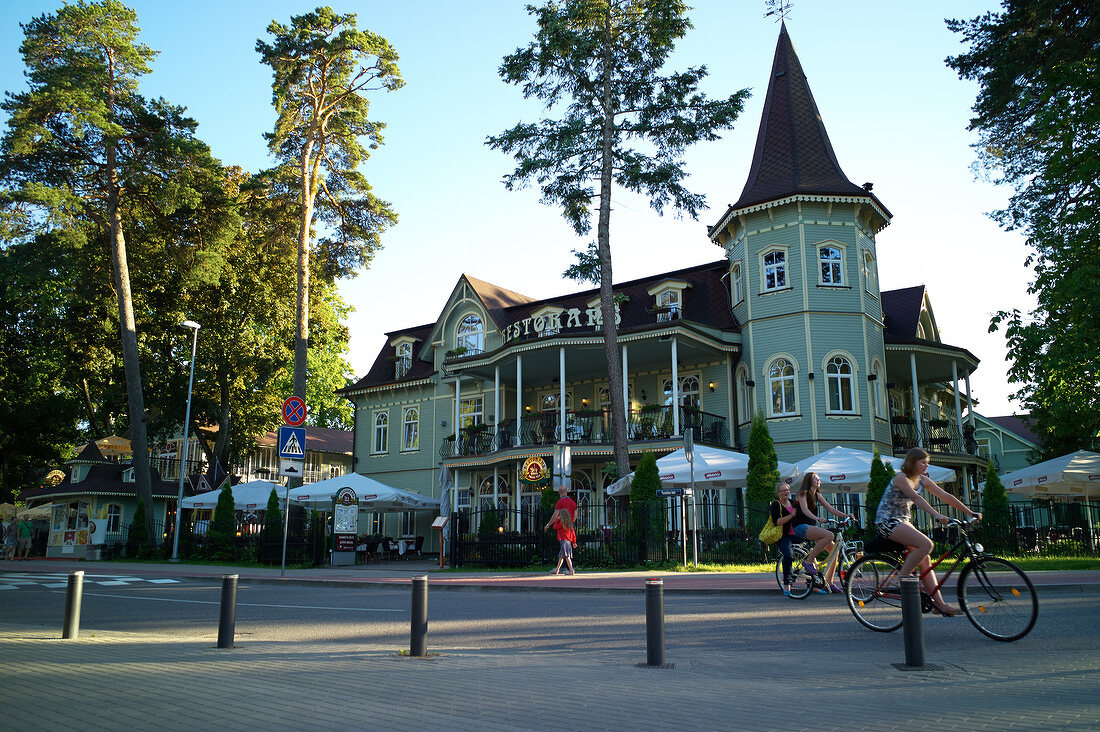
(874, 593)
(998, 598)
(801, 582)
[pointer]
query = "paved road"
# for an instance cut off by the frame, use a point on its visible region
(325, 656)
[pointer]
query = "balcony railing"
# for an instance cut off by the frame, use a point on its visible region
(585, 427)
(939, 435)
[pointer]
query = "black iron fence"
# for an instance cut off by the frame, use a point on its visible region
(937, 435)
(618, 534)
(613, 535)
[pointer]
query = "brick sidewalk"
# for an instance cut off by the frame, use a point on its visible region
(123, 681)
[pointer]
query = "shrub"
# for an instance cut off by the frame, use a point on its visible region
(490, 523)
(271, 536)
(223, 527)
(137, 539)
(647, 517)
(996, 513)
(763, 474)
(876, 486)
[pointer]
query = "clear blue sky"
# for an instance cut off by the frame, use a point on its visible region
(896, 115)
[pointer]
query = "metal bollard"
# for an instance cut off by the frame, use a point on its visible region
(418, 635)
(655, 622)
(912, 622)
(73, 595)
(228, 619)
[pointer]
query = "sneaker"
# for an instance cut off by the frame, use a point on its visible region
(835, 587)
(786, 593)
(822, 591)
(809, 567)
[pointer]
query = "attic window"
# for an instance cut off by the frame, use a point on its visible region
(668, 299)
(403, 363)
(80, 472)
(470, 334)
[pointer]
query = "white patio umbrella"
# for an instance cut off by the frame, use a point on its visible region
(371, 494)
(712, 465)
(846, 470)
(1076, 474)
(251, 496)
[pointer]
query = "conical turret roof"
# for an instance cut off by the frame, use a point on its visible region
(793, 154)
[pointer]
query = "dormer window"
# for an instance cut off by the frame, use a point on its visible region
(470, 334)
(668, 299)
(403, 362)
(80, 472)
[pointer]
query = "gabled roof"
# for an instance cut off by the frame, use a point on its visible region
(707, 304)
(901, 311)
(104, 480)
(1017, 425)
(793, 153)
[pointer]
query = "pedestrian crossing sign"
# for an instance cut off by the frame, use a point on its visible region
(292, 442)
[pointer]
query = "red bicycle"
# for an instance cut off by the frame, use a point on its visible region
(995, 594)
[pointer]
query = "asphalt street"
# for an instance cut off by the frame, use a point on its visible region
(511, 659)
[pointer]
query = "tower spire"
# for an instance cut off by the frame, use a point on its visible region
(793, 154)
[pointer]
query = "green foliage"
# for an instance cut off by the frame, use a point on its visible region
(1036, 112)
(323, 67)
(271, 535)
(489, 525)
(137, 539)
(996, 513)
(547, 501)
(221, 535)
(624, 124)
(643, 488)
(876, 486)
(763, 473)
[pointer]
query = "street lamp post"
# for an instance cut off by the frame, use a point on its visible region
(183, 452)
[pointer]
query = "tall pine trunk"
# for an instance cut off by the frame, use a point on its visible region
(603, 239)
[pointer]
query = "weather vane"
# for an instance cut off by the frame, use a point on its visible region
(778, 7)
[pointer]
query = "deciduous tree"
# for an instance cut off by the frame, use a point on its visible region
(1038, 119)
(624, 125)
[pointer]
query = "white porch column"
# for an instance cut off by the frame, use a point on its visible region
(675, 391)
(518, 505)
(969, 403)
(519, 400)
(958, 408)
(454, 491)
(626, 387)
(458, 398)
(561, 394)
(496, 407)
(496, 488)
(916, 399)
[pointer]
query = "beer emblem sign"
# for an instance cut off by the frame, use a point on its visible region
(534, 471)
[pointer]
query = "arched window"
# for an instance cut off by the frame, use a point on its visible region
(689, 391)
(878, 388)
(832, 271)
(470, 334)
(404, 360)
(738, 283)
(775, 270)
(781, 386)
(411, 436)
(839, 376)
(744, 398)
(381, 432)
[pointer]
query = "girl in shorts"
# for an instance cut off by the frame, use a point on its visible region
(805, 525)
(894, 522)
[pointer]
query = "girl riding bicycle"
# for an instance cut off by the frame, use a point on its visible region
(805, 526)
(893, 520)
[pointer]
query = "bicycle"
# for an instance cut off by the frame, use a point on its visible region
(996, 595)
(802, 582)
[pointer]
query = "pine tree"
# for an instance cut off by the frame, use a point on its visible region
(763, 474)
(137, 540)
(223, 527)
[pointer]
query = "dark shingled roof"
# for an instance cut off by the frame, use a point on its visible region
(901, 311)
(105, 479)
(1017, 425)
(706, 302)
(793, 154)
(318, 439)
(90, 454)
